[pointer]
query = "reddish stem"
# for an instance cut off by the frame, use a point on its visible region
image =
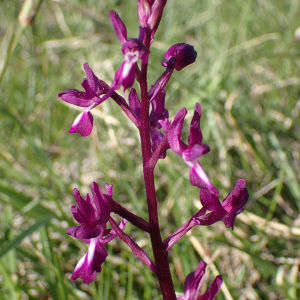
(160, 255)
(129, 216)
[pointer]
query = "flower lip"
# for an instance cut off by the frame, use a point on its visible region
(136, 47)
(83, 124)
(91, 262)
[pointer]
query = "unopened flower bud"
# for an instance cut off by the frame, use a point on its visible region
(184, 53)
(143, 11)
(156, 13)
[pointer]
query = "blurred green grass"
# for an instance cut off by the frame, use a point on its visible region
(246, 77)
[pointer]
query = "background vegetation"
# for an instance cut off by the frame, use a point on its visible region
(247, 79)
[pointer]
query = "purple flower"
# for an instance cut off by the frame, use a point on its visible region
(178, 57)
(193, 284)
(183, 53)
(134, 49)
(231, 206)
(92, 214)
(195, 148)
(93, 87)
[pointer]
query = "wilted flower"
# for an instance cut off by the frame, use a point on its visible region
(193, 284)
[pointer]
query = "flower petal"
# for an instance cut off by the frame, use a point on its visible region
(84, 232)
(213, 290)
(102, 204)
(196, 285)
(90, 263)
(83, 124)
(119, 26)
(158, 112)
(85, 208)
(125, 75)
(195, 135)
(134, 103)
(199, 178)
(143, 11)
(175, 131)
(93, 81)
(76, 97)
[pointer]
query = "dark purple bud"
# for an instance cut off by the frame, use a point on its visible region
(184, 54)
